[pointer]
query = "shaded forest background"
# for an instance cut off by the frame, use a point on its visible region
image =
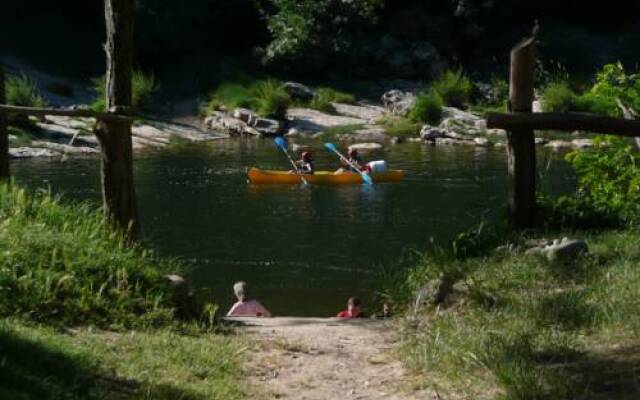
(197, 40)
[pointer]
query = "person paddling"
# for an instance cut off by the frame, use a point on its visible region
(245, 306)
(305, 163)
(354, 158)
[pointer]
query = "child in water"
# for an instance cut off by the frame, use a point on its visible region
(246, 307)
(354, 309)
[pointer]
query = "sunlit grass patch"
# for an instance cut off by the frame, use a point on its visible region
(551, 330)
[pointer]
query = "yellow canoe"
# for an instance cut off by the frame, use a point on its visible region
(320, 177)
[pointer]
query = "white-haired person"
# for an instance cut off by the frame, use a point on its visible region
(246, 306)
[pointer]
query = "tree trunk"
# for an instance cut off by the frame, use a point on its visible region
(4, 134)
(521, 151)
(115, 136)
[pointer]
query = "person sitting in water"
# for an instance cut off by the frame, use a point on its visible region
(246, 307)
(354, 309)
(305, 164)
(355, 159)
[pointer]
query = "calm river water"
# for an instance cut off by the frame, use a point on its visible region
(303, 250)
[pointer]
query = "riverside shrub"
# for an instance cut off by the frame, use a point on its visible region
(427, 108)
(67, 264)
(143, 88)
(454, 88)
(22, 91)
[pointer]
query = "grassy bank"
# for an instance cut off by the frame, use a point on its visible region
(40, 362)
(85, 316)
(522, 327)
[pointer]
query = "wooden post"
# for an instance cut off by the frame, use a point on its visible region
(5, 173)
(115, 136)
(521, 151)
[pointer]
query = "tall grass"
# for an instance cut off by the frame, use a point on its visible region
(22, 91)
(267, 97)
(427, 108)
(454, 88)
(552, 330)
(324, 98)
(143, 88)
(66, 265)
(41, 363)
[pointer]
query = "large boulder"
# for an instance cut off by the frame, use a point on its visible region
(564, 250)
(182, 296)
(298, 91)
(268, 127)
(398, 102)
(245, 115)
(220, 122)
(431, 133)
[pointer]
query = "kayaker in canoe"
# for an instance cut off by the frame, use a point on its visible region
(354, 157)
(354, 309)
(245, 306)
(305, 164)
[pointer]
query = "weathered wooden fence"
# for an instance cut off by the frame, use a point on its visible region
(521, 123)
(113, 128)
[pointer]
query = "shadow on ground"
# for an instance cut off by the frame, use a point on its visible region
(29, 370)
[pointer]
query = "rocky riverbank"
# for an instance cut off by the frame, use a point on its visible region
(64, 136)
(366, 122)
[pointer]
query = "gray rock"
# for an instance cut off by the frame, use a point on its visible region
(566, 250)
(293, 132)
(482, 142)
(398, 102)
(541, 141)
(299, 91)
(365, 147)
(454, 142)
(582, 143)
(430, 133)
(268, 127)
(397, 140)
(29, 152)
(222, 123)
(245, 115)
(558, 145)
(560, 250)
(182, 296)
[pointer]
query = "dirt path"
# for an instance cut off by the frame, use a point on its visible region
(320, 359)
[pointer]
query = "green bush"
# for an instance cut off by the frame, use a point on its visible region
(401, 127)
(558, 97)
(325, 96)
(143, 87)
(231, 95)
(454, 88)
(22, 91)
(614, 83)
(67, 265)
(608, 187)
(427, 108)
(609, 176)
(267, 97)
(271, 98)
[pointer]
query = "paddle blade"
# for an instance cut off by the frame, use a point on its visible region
(331, 147)
(367, 178)
(281, 143)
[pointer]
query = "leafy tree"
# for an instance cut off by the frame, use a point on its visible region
(314, 28)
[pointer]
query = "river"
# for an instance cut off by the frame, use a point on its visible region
(303, 250)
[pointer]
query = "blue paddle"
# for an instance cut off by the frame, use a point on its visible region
(365, 177)
(283, 145)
